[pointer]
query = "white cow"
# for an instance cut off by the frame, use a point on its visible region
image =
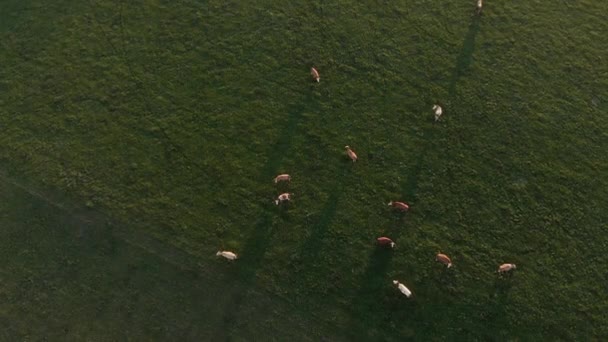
(479, 6)
(403, 289)
(506, 268)
(438, 112)
(226, 254)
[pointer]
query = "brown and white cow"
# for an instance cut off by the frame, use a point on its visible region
(438, 112)
(281, 178)
(506, 268)
(384, 241)
(444, 259)
(350, 153)
(315, 74)
(284, 197)
(399, 205)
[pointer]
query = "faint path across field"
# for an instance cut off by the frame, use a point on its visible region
(90, 278)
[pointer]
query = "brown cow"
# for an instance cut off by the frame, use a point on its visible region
(384, 241)
(350, 153)
(399, 205)
(315, 74)
(444, 259)
(283, 177)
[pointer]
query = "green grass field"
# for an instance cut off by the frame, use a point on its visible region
(139, 137)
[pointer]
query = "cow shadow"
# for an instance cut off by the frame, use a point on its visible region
(312, 246)
(465, 57)
(371, 295)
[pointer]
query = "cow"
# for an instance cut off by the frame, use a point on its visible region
(282, 177)
(444, 259)
(438, 112)
(506, 268)
(315, 74)
(384, 241)
(403, 289)
(350, 153)
(284, 197)
(402, 206)
(226, 254)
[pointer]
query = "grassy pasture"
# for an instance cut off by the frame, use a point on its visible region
(172, 118)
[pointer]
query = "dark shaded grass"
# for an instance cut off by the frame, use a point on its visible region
(464, 59)
(368, 296)
(176, 116)
(86, 277)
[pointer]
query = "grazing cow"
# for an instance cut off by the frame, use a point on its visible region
(283, 177)
(315, 74)
(444, 259)
(384, 241)
(403, 289)
(285, 197)
(399, 205)
(226, 254)
(438, 112)
(350, 153)
(506, 268)
(479, 6)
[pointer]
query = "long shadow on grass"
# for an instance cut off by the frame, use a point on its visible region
(258, 242)
(411, 184)
(410, 187)
(493, 313)
(253, 255)
(253, 252)
(465, 57)
(254, 249)
(245, 271)
(463, 61)
(313, 244)
(279, 149)
(366, 320)
(368, 304)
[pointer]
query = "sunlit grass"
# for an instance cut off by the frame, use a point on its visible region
(175, 117)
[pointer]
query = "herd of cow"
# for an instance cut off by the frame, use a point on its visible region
(382, 241)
